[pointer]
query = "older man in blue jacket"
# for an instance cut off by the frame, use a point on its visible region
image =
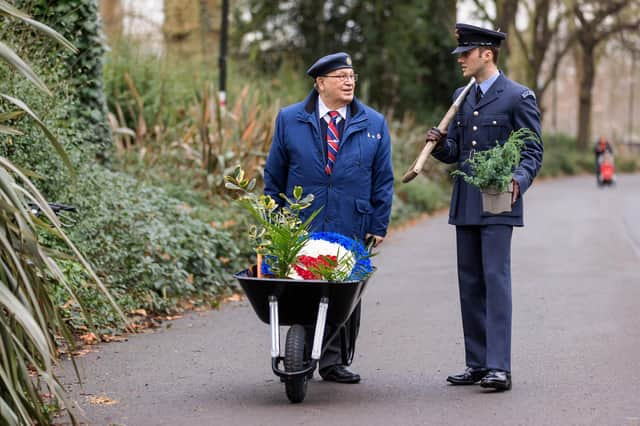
(337, 149)
(496, 107)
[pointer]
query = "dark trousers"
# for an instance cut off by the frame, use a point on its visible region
(484, 279)
(333, 355)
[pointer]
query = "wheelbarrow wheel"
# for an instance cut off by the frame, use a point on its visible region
(295, 359)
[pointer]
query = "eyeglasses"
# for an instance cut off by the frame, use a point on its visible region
(344, 77)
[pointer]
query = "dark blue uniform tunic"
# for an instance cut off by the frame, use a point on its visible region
(484, 239)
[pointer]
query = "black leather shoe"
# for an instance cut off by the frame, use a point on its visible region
(469, 377)
(339, 374)
(498, 380)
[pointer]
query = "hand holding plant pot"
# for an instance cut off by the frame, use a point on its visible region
(492, 172)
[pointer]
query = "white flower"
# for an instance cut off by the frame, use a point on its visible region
(317, 247)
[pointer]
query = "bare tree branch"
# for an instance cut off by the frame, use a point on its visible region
(482, 9)
(622, 26)
(571, 40)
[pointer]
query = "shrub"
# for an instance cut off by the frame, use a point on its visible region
(144, 242)
(562, 157)
(423, 194)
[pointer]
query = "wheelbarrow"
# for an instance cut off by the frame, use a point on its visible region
(297, 304)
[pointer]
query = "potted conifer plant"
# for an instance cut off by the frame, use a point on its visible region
(492, 171)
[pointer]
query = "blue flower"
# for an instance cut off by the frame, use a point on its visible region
(363, 266)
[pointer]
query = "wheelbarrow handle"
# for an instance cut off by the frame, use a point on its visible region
(369, 243)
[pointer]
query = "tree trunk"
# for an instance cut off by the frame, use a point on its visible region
(586, 79)
(192, 29)
(505, 19)
(112, 15)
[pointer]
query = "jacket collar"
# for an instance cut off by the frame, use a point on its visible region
(494, 91)
(356, 121)
(355, 108)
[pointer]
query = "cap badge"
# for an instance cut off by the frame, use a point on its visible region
(348, 60)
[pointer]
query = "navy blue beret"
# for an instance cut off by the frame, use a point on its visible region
(469, 37)
(329, 63)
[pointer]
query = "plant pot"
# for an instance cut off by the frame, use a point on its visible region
(495, 202)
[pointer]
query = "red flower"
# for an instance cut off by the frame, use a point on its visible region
(311, 263)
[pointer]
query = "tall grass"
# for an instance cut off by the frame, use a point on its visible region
(164, 123)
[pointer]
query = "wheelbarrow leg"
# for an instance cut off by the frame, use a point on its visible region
(274, 322)
(320, 324)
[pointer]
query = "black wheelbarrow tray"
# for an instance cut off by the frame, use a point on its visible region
(298, 303)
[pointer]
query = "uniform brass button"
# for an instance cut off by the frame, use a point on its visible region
(475, 128)
(475, 113)
(495, 122)
(473, 143)
(458, 123)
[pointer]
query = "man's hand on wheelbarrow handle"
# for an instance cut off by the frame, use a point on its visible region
(371, 241)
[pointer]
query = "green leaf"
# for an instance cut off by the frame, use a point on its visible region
(10, 115)
(232, 186)
(21, 66)
(21, 314)
(308, 199)
(8, 9)
(54, 141)
(10, 131)
(251, 185)
(51, 33)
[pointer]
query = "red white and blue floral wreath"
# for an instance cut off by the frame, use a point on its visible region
(347, 257)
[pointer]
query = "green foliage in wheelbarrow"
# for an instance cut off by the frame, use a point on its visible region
(280, 233)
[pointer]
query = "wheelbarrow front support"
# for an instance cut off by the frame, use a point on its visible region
(275, 339)
(320, 324)
(275, 327)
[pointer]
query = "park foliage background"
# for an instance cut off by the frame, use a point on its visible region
(150, 145)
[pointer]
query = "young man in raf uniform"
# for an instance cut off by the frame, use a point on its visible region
(492, 110)
(339, 150)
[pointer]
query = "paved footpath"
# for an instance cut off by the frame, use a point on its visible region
(576, 336)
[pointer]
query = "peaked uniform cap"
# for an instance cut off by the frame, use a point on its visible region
(329, 63)
(469, 37)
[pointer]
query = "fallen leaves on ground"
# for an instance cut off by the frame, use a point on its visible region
(234, 298)
(89, 338)
(101, 400)
(143, 321)
(113, 338)
(82, 352)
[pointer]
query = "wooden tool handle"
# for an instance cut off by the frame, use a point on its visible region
(417, 165)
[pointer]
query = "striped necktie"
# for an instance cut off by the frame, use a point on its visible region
(333, 141)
